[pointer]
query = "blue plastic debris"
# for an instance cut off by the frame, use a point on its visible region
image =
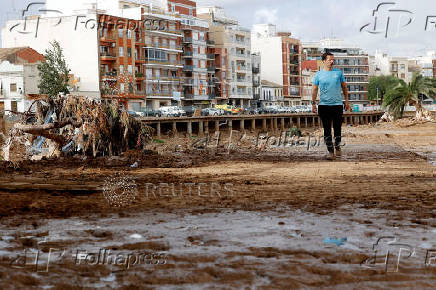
(336, 241)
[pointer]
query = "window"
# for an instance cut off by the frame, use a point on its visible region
(120, 33)
(13, 87)
(129, 68)
(121, 88)
(121, 69)
(121, 51)
(129, 52)
(129, 33)
(130, 88)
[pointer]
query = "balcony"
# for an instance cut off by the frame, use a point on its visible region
(256, 83)
(109, 76)
(241, 80)
(188, 67)
(187, 54)
(211, 96)
(211, 56)
(187, 39)
(188, 82)
(162, 62)
(139, 75)
(107, 56)
(256, 70)
(210, 42)
(160, 94)
(108, 39)
(211, 69)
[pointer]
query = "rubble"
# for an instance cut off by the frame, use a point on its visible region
(74, 125)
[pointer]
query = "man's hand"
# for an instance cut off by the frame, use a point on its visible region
(347, 106)
(314, 110)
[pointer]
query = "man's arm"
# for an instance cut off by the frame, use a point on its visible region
(314, 95)
(345, 91)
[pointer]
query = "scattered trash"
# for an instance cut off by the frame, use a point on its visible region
(336, 241)
(134, 165)
(135, 236)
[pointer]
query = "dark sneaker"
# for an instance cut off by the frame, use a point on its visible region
(338, 151)
(330, 156)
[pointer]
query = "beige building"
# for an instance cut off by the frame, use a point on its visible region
(351, 60)
(236, 40)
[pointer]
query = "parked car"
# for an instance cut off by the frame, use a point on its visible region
(132, 113)
(189, 110)
(212, 112)
(151, 113)
(170, 111)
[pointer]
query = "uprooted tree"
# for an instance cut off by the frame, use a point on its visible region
(77, 125)
(68, 124)
(403, 94)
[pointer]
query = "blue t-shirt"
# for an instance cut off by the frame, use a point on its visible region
(329, 83)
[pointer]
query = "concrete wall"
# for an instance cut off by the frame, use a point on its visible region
(79, 44)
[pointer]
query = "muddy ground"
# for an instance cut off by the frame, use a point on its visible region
(180, 216)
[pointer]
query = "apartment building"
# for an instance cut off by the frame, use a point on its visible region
(256, 62)
(426, 63)
(308, 71)
(19, 77)
(281, 59)
(126, 50)
(235, 41)
(400, 67)
(353, 62)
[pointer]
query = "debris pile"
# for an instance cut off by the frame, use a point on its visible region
(74, 125)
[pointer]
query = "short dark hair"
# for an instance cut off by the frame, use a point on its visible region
(325, 54)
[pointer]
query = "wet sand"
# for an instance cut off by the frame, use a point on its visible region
(253, 218)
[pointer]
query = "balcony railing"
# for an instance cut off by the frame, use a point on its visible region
(211, 56)
(187, 39)
(109, 55)
(256, 70)
(211, 69)
(110, 74)
(188, 54)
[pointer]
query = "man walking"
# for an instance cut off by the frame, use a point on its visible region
(330, 81)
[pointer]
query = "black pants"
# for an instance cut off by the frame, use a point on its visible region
(327, 115)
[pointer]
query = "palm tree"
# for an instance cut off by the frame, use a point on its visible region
(403, 94)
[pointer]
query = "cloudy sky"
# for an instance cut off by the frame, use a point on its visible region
(311, 20)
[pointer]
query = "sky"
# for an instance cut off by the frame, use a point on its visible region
(312, 20)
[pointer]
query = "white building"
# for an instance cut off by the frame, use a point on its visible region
(395, 66)
(79, 44)
(281, 59)
(19, 77)
(426, 63)
(271, 94)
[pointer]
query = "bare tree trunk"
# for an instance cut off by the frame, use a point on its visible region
(43, 130)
